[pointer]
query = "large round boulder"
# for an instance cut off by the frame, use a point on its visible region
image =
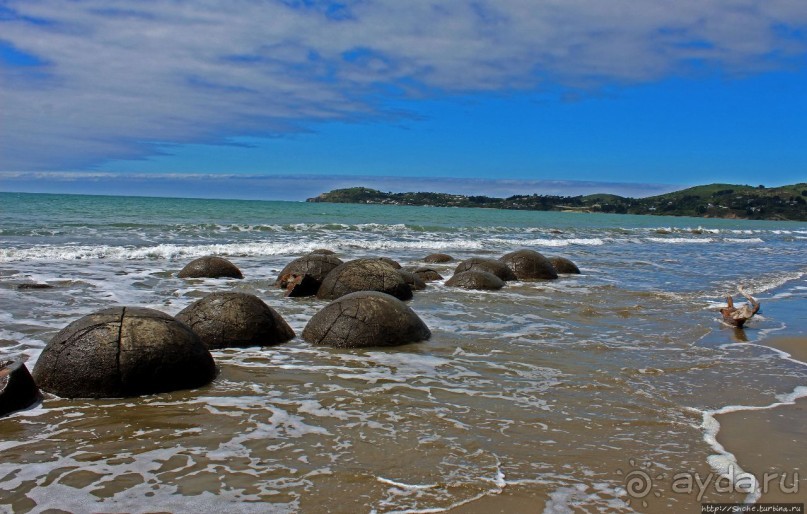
(529, 265)
(323, 251)
(564, 265)
(17, 387)
(437, 258)
(210, 267)
(365, 319)
(123, 351)
(490, 265)
(476, 279)
(364, 275)
(227, 320)
(304, 276)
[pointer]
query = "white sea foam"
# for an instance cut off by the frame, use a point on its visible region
(680, 240)
(750, 240)
(723, 461)
(401, 485)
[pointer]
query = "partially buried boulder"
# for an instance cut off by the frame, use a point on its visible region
(529, 265)
(303, 276)
(564, 265)
(323, 251)
(427, 274)
(365, 319)
(17, 387)
(210, 267)
(491, 266)
(364, 275)
(412, 280)
(123, 351)
(438, 258)
(476, 279)
(226, 320)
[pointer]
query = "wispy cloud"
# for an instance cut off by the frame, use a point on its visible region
(98, 79)
(296, 187)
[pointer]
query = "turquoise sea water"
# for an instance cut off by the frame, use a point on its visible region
(549, 387)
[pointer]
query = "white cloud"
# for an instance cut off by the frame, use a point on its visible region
(120, 75)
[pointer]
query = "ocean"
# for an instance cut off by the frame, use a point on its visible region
(549, 396)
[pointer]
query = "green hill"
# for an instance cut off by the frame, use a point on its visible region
(733, 201)
(710, 201)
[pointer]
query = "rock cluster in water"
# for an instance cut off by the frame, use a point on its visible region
(128, 351)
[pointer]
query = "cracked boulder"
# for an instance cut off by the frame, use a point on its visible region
(123, 351)
(529, 265)
(303, 276)
(17, 387)
(210, 267)
(235, 320)
(498, 268)
(476, 279)
(564, 265)
(365, 319)
(364, 275)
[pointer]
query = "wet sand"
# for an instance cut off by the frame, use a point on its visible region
(772, 440)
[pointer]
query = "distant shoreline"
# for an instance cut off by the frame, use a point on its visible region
(722, 201)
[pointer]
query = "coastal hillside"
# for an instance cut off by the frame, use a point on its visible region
(708, 201)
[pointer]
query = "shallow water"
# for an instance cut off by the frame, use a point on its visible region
(559, 388)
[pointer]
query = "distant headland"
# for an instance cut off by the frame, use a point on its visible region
(788, 203)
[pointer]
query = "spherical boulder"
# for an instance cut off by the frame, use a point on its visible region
(123, 351)
(364, 275)
(322, 251)
(436, 258)
(529, 265)
(227, 320)
(365, 319)
(498, 268)
(210, 267)
(427, 274)
(303, 276)
(476, 279)
(564, 265)
(412, 280)
(17, 387)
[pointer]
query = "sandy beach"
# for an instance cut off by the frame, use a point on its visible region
(772, 440)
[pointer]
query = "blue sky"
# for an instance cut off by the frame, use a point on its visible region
(282, 99)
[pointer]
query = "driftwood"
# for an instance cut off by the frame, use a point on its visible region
(737, 316)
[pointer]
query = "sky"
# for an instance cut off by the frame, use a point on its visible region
(288, 99)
